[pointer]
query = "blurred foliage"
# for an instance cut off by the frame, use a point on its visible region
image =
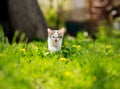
(3, 39)
(51, 17)
(54, 13)
(81, 64)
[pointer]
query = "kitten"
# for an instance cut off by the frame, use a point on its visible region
(55, 39)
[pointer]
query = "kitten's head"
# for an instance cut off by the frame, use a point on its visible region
(56, 35)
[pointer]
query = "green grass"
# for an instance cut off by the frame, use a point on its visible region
(81, 64)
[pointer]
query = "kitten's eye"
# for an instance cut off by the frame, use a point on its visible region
(59, 36)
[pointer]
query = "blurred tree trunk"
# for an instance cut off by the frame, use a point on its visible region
(26, 17)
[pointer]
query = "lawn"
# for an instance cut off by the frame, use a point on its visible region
(81, 64)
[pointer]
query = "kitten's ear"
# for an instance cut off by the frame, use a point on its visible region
(50, 32)
(62, 31)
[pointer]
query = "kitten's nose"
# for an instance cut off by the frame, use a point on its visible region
(55, 40)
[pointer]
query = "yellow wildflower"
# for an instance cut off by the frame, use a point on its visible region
(74, 46)
(108, 46)
(78, 47)
(1, 54)
(63, 59)
(22, 50)
(68, 73)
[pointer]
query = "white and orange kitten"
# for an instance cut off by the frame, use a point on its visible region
(55, 39)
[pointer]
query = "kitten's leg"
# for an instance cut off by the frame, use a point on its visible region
(52, 49)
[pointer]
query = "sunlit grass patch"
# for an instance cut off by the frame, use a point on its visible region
(81, 64)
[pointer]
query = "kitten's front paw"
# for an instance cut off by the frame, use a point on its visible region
(53, 49)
